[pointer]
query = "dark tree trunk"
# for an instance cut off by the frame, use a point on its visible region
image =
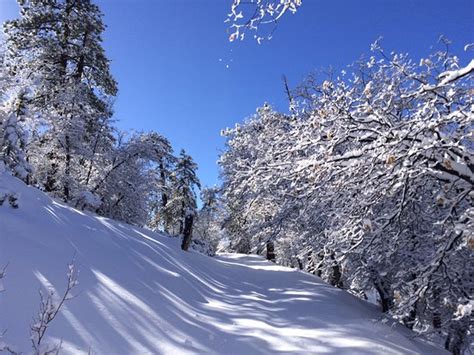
(336, 277)
(300, 263)
(50, 184)
(270, 251)
(456, 340)
(182, 220)
(437, 321)
(310, 263)
(409, 320)
(385, 298)
(318, 271)
(67, 170)
(28, 176)
(187, 231)
(164, 196)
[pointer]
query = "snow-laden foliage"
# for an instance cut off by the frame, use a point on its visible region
(13, 137)
(56, 126)
(258, 17)
(182, 200)
(369, 184)
(54, 51)
(207, 231)
(13, 133)
(127, 181)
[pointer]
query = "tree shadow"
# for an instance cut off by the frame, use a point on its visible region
(139, 293)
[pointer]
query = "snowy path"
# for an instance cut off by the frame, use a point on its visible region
(139, 293)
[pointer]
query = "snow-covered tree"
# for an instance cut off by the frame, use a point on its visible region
(129, 180)
(248, 206)
(180, 210)
(13, 133)
(54, 49)
(59, 93)
(371, 177)
(207, 231)
(162, 190)
(13, 137)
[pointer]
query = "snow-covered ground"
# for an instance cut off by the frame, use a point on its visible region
(139, 293)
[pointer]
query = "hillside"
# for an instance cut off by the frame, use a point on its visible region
(139, 293)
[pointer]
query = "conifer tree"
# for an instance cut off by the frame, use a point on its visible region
(55, 48)
(161, 193)
(13, 137)
(207, 229)
(181, 208)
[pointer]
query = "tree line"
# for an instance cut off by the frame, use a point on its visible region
(367, 183)
(57, 128)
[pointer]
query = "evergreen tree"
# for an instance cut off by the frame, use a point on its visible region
(55, 48)
(181, 208)
(161, 193)
(13, 137)
(207, 231)
(13, 133)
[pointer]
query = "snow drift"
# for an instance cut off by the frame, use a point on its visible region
(139, 293)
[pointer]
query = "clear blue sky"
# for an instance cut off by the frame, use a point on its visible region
(170, 58)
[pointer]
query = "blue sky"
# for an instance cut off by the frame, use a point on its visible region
(179, 75)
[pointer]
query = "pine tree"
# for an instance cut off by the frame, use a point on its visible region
(161, 193)
(207, 231)
(13, 137)
(181, 207)
(56, 44)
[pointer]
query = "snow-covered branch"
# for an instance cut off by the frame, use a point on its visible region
(372, 176)
(254, 16)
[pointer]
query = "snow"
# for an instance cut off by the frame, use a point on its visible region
(453, 75)
(139, 293)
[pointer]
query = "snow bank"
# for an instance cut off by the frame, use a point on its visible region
(139, 293)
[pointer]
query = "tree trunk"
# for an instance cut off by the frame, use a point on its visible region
(164, 196)
(270, 251)
(385, 299)
(310, 263)
(437, 321)
(318, 271)
(300, 263)
(409, 320)
(67, 170)
(187, 231)
(456, 340)
(182, 220)
(336, 276)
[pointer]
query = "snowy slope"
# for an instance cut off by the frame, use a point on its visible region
(139, 293)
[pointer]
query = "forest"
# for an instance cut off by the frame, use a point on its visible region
(365, 180)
